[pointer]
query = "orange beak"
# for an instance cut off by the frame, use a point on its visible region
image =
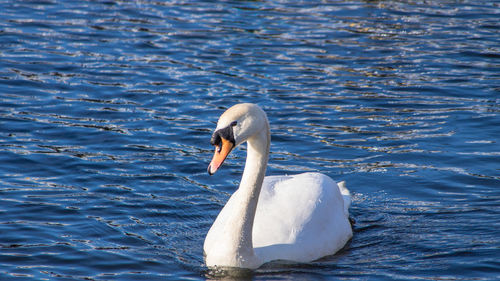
(220, 155)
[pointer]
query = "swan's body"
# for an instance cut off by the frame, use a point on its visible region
(297, 218)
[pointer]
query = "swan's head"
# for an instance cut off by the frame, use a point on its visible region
(235, 126)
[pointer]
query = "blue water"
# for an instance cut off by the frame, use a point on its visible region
(107, 107)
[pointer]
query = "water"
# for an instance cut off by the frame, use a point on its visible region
(106, 112)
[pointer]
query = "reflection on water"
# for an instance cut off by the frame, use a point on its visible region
(106, 111)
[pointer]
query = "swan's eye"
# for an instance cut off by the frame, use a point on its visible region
(234, 123)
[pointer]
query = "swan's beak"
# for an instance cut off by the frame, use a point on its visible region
(220, 154)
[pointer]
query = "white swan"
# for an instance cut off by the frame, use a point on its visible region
(297, 218)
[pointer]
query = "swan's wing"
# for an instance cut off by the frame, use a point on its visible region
(300, 218)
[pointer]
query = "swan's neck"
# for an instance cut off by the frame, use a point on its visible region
(248, 192)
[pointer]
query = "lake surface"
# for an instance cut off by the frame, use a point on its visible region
(107, 108)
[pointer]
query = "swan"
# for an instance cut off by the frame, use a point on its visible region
(296, 218)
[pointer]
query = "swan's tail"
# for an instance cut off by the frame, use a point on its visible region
(346, 195)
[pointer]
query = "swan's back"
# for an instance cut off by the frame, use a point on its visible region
(301, 218)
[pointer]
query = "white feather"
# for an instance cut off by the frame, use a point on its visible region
(297, 218)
